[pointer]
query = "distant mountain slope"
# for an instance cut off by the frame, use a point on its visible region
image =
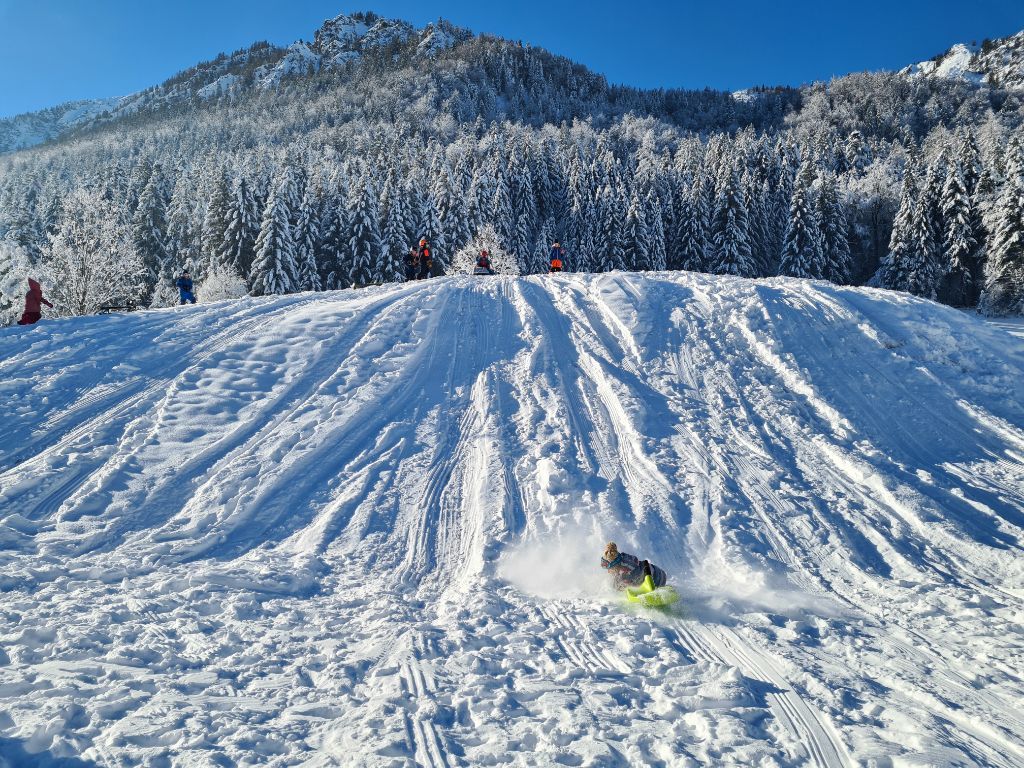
(998, 63)
(32, 128)
(363, 527)
(340, 41)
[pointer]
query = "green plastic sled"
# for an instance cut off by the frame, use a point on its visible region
(650, 596)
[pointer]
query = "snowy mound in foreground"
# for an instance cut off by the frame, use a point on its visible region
(363, 527)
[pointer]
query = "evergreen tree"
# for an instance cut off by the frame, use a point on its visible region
(216, 245)
(636, 241)
(1004, 272)
(149, 232)
(612, 250)
(729, 232)
(894, 272)
(274, 269)
(924, 269)
(364, 243)
(960, 249)
(833, 226)
(242, 228)
(394, 244)
(691, 233)
(306, 236)
(802, 249)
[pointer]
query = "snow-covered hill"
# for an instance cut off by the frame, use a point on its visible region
(999, 63)
(364, 527)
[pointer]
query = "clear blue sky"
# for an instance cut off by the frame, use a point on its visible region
(53, 51)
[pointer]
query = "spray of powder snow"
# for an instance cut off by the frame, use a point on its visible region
(563, 563)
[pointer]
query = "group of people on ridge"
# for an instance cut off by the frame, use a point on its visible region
(419, 261)
(483, 262)
(418, 264)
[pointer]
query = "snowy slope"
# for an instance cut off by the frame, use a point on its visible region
(363, 528)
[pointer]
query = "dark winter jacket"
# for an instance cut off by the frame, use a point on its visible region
(425, 262)
(628, 571)
(557, 257)
(184, 284)
(483, 262)
(34, 298)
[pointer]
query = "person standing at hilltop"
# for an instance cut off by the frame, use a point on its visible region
(557, 257)
(184, 284)
(425, 260)
(33, 304)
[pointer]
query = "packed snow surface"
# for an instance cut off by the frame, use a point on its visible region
(364, 528)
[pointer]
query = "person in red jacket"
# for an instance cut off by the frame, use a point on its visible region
(33, 304)
(426, 260)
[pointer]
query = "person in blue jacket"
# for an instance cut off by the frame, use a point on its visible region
(628, 570)
(557, 257)
(184, 284)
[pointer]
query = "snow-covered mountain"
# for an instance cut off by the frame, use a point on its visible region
(998, 63)
(32, 128)
(339, 41)
(363, 528)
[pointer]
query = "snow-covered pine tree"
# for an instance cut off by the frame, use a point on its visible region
(542, 248)
(364, 242)
(802, 249)
(501, 209)
(856, 153)
(691, 237)
(959, 247)
(610, 249)
(149, 231)
(1004, 271)
(924, 268)
(757, 195)
(834, 230)
(183, 231)
(730, 230)
(274, 270)
(636, 240)
(216, 245)
(306, 236)
(335, 257)
(394, 244)
(242, 228)
(894, 272)
(654, 215)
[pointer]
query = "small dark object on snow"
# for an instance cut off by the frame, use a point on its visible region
(128, 306)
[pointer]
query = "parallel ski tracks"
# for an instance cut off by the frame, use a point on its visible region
(809, 727)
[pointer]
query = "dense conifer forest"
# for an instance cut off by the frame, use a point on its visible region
(264, 175)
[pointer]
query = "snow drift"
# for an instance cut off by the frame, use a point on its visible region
(364, 526)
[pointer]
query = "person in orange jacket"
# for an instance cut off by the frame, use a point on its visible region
(557, 257)
(33, 304)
